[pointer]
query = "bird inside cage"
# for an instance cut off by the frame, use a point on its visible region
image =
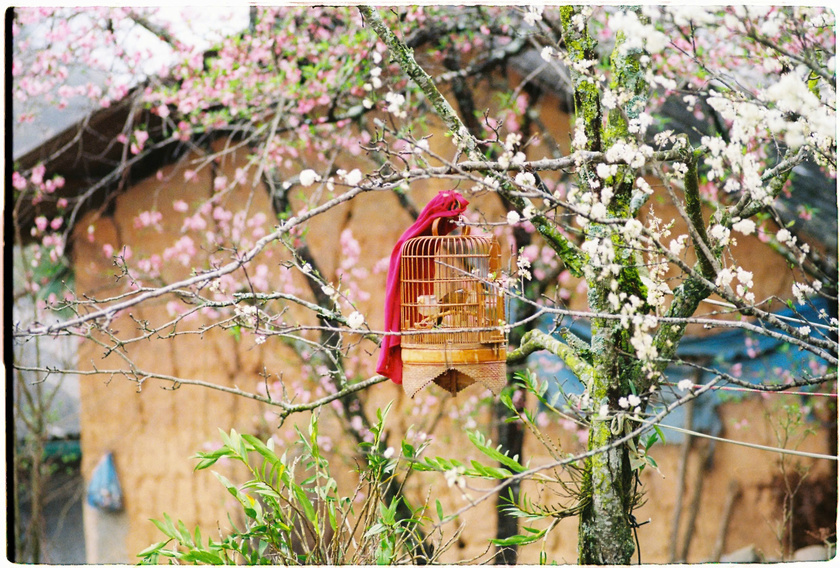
(454, 310)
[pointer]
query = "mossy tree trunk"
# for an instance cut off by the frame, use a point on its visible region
(605, 534)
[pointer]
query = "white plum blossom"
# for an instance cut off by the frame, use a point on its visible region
(245, 312)
(720, 234)
(724, 277)
(529, 211)
(606, 170)
(512, 140)
(354, 177)
(518, 159)
(395, 102)
(547, 53)
(513, 217)
(644, 186)
(677, 245)
(308, 177)
(603, 411)
(784, 237)
(633, 228)
(523, 265)
(664, 137)
(455, 477)
(637, 35)
(525, 178)
(745, 277)
(685, 384)
(355, 320)
(623, 402)
(630, 154)
(634, 400)
(329, 291)
(598, 211)
(504, 160)
(606, 195)
(640, 124)
(744, 226)
(643, 343)
(800, 291)
(533, 15)
(488, 183)
(579, 141)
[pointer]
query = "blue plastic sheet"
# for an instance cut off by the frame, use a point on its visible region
(104, 491)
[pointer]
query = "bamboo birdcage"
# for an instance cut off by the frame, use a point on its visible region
(455, 311)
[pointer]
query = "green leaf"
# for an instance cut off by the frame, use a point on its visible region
(375, 530)
(186, 537)
(261, 488)
(492, 472)
(517, 539)
(331, 515)
(262, 449)
(439, 509)
(659, 431)
(483, 446)
(305, 502)
(197, 538)
(153, 549)
(202, 556)
(408, 450)
(166, 526)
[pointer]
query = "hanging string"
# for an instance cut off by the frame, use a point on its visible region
(743, 389)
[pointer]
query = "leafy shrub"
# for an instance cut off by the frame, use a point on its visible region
(287, 521)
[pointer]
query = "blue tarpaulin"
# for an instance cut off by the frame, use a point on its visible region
(748, 356)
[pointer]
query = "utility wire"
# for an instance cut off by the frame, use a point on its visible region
(737, 443)
(742, 389)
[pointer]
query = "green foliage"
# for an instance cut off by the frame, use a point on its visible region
(292, 510)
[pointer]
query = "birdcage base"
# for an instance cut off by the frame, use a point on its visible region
(492, 375)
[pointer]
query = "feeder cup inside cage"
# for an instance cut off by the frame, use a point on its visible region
(452, 312)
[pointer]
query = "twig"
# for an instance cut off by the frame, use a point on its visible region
(684, 454)
(731, 496)
(694, 507)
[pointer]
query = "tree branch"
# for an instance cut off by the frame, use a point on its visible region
(536, 340)
(566, 250)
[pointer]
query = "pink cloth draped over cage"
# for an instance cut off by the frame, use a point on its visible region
(447, 205)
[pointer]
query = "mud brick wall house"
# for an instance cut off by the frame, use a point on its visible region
(152, 428)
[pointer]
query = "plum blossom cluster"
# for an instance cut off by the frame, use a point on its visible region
(637, 34)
